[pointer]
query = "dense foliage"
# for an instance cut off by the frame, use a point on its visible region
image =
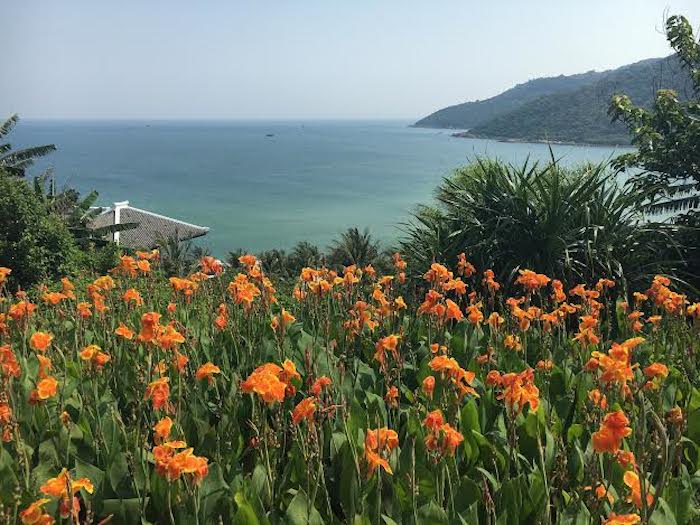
(577, 223)
(34, 241)
(355, 399)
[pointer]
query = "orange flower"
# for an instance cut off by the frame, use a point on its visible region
(62, 486)
(441, 436)
(622, 519)
(132, 295)
(45, 366)
(512, 342)
(495, 320)
(453, 311)
(493, 378)
(21, 310)
(612, 430)
(104, 283)
(656, 370)
(248, 260)
(143, 266)
(382, 439)
(375, 461)
(206, 371)
(84, 310)
(434, 420)
(162, 429)
(8, 362)
(321, 383)
(186, 462)
(474, 314)
(40, 341)
(626, 459)
(149, 325)
(45, 389)
(429, 386)
(53, 298)
(34, 514)
(4, 272)
(265, 382)
(532, 281)
(158, 392)
(168, 338)
(392, 397)
(389, 343)
(631, 479)
(304, 410)
(545, 365)
(519, 389)
(211, 265)
(598, 399)
(124, 332)
(95, 355)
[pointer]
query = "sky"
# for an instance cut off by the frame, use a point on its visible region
(290, 59)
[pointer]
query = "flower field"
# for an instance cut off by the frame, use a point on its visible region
(347, 397)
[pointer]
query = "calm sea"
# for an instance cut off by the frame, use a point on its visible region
(261, 185)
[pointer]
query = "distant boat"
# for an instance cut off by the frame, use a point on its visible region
(270, 135)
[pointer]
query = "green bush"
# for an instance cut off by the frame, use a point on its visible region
(35, 243)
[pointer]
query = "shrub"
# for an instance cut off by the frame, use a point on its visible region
(577, 223)
(35, 243)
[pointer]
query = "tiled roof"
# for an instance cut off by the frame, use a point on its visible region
(151, 228)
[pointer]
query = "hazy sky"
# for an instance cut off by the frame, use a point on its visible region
(305, 58)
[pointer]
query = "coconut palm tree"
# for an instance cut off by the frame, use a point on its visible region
(354, 247)
(16, 162)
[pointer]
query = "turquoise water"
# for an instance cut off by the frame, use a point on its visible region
(308, 181)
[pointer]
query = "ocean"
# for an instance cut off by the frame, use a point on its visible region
(261, 184)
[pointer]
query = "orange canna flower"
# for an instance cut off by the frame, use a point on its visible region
(656, 370)
(54, 298)
(519, 390)
(34, 514)
(453, 311)
(40, 341)
(631, 479)
(84, 310)
(626, 459)
(21, 310)
(512, 342)
(124, 332)
(4, 272)
(305, 410)
(612, 430)
(9, 366)
(132, 295)
(321, 383)
(622, 519)
(162, 429)
(532, 281)
(207, 371)
(429, 386)
(158, 392)
(266, 383)
(392, 397)
(45, 389)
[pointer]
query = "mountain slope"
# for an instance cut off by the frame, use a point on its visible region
(470, 114)
(577, 112)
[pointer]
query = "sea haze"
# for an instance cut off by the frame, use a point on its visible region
(263, 184)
